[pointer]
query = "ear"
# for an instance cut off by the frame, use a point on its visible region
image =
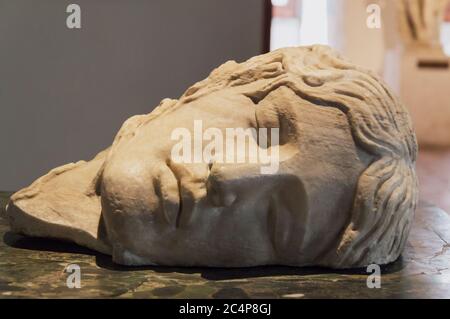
(63, 204)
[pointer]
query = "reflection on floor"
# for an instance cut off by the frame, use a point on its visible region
(433, 169)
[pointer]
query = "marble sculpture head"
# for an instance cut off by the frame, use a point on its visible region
(344, 194)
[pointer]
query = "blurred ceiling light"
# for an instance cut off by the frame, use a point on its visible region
(445, 32)
(445, 37)
(314, 27)
(279, 3)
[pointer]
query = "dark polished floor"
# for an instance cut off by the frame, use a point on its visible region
(35, 267)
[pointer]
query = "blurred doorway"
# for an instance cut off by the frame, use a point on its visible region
(445, 33)
(298, 22)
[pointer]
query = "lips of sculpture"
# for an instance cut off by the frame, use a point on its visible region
(191, 188)
(167, 189)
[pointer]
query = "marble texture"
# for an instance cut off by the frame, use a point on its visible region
(34, 268)
(343, 193)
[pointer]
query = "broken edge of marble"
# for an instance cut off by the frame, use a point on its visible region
(81, 222)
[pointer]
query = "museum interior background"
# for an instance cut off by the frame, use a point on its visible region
(64, 93)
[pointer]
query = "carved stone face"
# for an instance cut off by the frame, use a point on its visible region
(135, 202)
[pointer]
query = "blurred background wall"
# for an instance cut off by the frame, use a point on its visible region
(65, 92)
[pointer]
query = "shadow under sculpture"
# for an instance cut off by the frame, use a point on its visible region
(343, 196)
